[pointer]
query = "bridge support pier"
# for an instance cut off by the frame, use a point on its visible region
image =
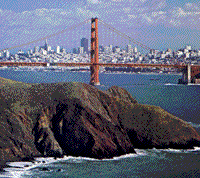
(191, 74)
(186, 77)
(94, 68)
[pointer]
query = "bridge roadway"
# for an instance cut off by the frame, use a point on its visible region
(14, 64)
(190, 72)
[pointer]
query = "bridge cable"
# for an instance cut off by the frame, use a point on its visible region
(49, 36)
(124, 35)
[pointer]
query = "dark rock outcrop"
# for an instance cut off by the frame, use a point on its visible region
(80, 120)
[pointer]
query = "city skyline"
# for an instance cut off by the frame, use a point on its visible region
(157, 24)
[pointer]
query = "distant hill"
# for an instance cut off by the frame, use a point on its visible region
(80, 120)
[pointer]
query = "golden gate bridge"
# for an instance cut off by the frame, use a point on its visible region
(189, 71)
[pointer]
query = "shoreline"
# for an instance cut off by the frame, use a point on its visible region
(18, 167)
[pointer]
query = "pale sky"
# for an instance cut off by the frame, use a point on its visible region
(159, 24)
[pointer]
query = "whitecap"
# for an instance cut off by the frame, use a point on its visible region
(194, 125)
(174, 84)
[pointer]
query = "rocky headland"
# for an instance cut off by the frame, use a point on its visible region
(80, 120)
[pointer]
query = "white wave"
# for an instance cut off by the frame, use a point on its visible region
(140, 152)
(194, 125)
(171, 150)
(193, 84)
(196, 149)
(18, 168)
(172, 84)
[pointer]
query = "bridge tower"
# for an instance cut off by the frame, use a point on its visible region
(94, 68)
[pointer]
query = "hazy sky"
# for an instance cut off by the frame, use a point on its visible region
(159, 24)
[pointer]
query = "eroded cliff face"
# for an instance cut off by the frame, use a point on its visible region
(80, 120)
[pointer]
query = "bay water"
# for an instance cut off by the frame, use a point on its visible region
(161, 90)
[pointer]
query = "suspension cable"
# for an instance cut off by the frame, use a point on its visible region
(124, 35)
(49, 36)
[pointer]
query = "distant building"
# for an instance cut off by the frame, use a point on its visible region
(101, 49)
(135, 50)
(57, 49)
(106, 49)
(116, 49)
(63, 50)
(74, 50)
(46, 45)
(81, 50)
(48, 48)
(43, 51)
(84, 44)
(110, 48)
(128, 48)
(188, 47)
(7, 54)
(36, 49)
(154, 52)
(20, 52)
(1, 54)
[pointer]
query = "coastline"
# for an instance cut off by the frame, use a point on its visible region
(16, 169)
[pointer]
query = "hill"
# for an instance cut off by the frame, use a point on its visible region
(80, 120)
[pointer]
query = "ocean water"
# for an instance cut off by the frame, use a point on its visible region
(155, 89)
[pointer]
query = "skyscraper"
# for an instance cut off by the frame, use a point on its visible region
(46, 45)
(7, 54)
(74, 50)
(135, 50)
(128, 48)
(57, 49)
(36, 49)
(84, 44)
(81, 50)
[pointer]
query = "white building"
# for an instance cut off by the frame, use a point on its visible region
(135, 50)
(80, 50)
(187, 55)
(7, 54)
(57, 49)
(110, 48)
(117, 50)
(43, 51)
(185, 51)
(163, 55)
(48, 48)
(188, 47)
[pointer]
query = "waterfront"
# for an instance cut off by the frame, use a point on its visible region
(161, 90)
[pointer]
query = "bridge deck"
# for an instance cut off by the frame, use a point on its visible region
(99, 64)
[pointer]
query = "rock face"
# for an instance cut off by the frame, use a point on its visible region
(80, 120)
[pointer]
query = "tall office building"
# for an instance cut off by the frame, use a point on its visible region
(74, 50)
(128, 48)
(135, 50)
(7, 54)
(36, 49)
(46, 45)
(57, 49)
(84, 44)
(48, 48)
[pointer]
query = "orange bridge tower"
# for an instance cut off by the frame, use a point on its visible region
(94, 52)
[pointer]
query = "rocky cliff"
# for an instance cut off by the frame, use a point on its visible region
(80, 120)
